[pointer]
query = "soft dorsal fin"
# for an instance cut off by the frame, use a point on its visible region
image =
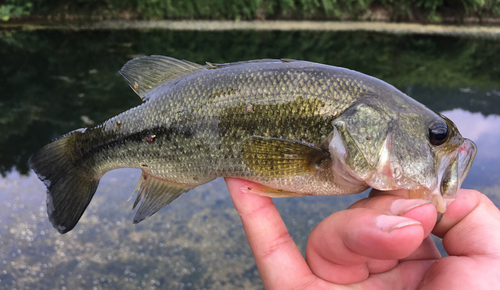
(146, 73)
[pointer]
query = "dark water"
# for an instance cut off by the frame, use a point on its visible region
(53, 82)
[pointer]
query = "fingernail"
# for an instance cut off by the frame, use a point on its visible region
(387, 223)
(402, 206)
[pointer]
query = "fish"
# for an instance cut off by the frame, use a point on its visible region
(293, 127)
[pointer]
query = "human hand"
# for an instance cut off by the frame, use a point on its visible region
(381, 242)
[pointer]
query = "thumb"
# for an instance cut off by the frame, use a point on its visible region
(470, 226)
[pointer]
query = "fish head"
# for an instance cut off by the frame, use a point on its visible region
(400, 145)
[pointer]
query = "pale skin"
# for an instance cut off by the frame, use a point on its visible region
(381, 242)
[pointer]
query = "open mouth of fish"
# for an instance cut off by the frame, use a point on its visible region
(452, 171)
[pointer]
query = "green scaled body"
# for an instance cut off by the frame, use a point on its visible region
(296, 127)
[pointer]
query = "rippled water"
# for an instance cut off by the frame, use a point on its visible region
(53, 82)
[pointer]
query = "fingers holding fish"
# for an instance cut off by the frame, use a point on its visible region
(347, 246)
(391, 203)
(419, 210)
(379, 241)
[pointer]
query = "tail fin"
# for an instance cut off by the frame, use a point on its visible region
(70, 184)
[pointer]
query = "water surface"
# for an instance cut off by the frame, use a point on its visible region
(53, 82)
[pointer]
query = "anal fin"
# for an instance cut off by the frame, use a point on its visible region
(154, 193)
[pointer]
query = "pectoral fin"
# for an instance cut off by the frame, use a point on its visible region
(155, 193)
(272, 157)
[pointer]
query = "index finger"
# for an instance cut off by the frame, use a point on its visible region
(278, 259)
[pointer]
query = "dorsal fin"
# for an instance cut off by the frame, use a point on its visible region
(146, 73)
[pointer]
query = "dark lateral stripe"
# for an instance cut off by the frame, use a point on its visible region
(115, 140)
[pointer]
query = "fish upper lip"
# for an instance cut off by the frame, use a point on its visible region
(466, 157)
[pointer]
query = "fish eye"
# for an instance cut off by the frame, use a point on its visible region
(438, 133)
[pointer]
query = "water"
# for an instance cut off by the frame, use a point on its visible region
(53, 82)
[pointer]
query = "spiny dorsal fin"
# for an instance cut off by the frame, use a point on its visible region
(154, 194)
(273, 157)
(148, 72)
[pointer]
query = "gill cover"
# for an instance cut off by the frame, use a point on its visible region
(361, 145)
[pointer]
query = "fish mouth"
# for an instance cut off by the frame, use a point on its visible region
(451, 172)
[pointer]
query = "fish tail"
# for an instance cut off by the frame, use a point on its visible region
(71, 183)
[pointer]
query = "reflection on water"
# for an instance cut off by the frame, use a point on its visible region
(70, 79)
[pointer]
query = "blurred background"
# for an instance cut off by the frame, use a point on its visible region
(53, 81)
(393, 10)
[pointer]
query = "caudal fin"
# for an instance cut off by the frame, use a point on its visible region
(70, 184)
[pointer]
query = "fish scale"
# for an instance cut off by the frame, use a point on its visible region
(294, 127)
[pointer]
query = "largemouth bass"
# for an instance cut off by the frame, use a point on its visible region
(294, 127)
